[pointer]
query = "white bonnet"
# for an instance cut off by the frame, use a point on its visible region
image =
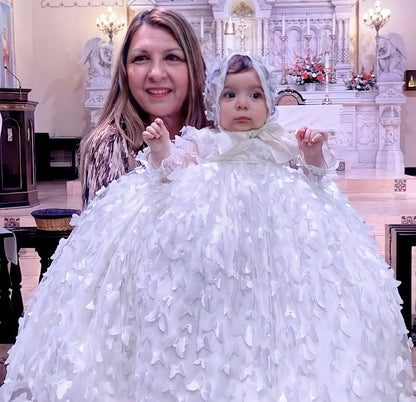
(215, 84)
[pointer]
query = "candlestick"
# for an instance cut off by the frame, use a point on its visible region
(377, 17)
(283, 24)
(202, 26)
(243, 28)
(326, 100)
(327, 65)
(283, 39)
(308, 25)
(333, 59)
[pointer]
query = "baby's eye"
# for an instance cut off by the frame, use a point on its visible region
(256, 95)
(229, 95)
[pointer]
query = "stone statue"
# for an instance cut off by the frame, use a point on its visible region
(99, 55)
(391, 54)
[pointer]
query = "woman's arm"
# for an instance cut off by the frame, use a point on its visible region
(108, 158)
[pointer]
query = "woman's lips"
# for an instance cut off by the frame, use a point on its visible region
(158, 91)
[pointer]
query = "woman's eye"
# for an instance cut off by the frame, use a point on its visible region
(173, 57)
(139, 58)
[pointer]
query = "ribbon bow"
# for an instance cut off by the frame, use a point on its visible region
(282, 145)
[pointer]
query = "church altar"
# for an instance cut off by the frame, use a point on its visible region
(283, 33)
(368, 135)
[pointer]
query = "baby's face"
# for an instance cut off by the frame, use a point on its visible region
(242, 102)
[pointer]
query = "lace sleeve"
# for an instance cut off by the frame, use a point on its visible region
(183, 152)
(317, 173)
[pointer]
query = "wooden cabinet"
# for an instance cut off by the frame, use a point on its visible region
(17, 149)
(56, 157)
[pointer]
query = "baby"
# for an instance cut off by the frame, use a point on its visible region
(243, 106)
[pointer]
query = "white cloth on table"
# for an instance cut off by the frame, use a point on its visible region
(316, 117)
(10, 247)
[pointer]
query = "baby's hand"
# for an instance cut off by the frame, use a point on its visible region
(157, 138)
(156, 131)
(310, 143)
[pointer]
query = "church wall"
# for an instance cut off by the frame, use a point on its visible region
(407, 28)
(402, 23)
(49, 42)
(52, 70)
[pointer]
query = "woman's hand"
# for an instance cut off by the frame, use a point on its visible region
(310, 143)
(156, 136)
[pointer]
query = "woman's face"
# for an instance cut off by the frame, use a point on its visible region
(157, 73)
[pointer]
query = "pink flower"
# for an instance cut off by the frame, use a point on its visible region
(307, 69)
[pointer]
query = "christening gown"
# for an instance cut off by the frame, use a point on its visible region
(236, 278)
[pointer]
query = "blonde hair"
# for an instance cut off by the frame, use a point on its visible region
(123, 111)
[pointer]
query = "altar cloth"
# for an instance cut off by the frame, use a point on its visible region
(316, 117)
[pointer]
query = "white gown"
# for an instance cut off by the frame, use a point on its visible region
(238, 279)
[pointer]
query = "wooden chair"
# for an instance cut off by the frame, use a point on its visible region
(289, 97)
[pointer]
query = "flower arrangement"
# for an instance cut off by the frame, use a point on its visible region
(361, 82)
(307, 69)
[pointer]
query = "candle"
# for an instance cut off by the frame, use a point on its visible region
(334, 24)
(308, 25)
(283, 25)
(327, 60)
(202, 26)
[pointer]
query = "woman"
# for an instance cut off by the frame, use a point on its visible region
(160, 73)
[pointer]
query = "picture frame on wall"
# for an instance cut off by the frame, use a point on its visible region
(7, 59)
(410, 80)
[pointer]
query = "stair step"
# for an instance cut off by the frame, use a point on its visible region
(353, 183)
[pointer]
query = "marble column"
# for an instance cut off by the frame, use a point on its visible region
(389, 156)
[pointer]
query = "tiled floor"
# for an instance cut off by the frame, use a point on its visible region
(379, 197)
(51, 194)
(54, 194)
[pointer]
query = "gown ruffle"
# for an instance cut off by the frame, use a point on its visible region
(237, 279)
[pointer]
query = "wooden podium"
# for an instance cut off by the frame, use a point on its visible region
(17, 149)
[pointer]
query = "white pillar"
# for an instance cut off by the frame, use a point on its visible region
(259, 41)
(219, 24)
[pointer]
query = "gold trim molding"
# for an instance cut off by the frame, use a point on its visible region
(81, 3)
(30, 106)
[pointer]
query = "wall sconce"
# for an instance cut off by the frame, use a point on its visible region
(229, 28)
(110, 24)
(377, 17)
